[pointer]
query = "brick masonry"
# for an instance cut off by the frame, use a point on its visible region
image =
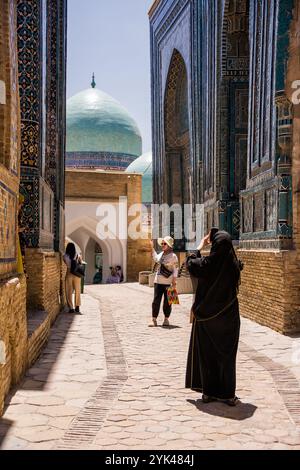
(45, 281)
(13, 332)
(269, 292)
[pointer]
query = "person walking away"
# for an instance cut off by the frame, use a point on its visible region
(72, 282)
(211, 364)
(166, 275)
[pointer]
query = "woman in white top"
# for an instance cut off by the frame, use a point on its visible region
(73, 283)
(166, 276)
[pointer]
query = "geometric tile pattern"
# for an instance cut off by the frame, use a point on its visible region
(14, 98)
(8, 205)
(259, 212)
(271, 208)
(247, 215)
(41, 58)
(28, 19)
(104, 160)
(30, 218)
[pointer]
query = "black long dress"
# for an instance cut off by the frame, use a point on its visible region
(211, 365)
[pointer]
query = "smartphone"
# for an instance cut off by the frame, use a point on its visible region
(212, 232)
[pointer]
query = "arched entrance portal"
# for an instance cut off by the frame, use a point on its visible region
(83, 231)
(94, 259)
(178, 179)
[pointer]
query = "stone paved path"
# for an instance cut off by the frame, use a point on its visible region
(107, 381)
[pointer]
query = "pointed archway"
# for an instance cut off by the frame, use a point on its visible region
(178, 167)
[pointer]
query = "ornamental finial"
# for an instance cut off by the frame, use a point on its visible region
(93, 81)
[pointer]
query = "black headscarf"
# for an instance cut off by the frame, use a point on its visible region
(220, 272)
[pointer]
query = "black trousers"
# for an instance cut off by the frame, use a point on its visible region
(159, 291)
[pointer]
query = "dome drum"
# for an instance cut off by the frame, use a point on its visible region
(104, 160)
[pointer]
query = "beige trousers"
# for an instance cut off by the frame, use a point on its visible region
(73, 283)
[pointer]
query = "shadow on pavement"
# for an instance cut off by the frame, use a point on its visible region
(239, 412)
(37, 376)
(170, 327)
(293, 335)
(5, 424)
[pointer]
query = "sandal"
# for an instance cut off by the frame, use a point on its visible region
(207, 399)
(232, 401)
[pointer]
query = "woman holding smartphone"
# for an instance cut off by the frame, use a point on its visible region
(211, 366)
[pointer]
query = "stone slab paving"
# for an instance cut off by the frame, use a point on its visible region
(58, 386)
(120, 385)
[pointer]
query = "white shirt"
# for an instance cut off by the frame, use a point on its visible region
(67, 261)
(169, 260)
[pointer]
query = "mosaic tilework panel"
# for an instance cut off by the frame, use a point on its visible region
(98, 160)
(29, 143)
(29, 79)
(236, 220)
(259, 212)
(29, 187)
(247, 215)
(176, 113)
(182, 110)
(8, 224)
(28, 54)
(235, 46)
(271, 208)
(262, 49)
(52, 117)
(285, 16)
(14, 95)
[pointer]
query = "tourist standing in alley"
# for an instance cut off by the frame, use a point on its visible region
(73, 283)
(114, 277)
(166, 276)
(211, 367)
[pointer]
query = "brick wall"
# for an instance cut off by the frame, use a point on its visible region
(44, 283)
(13, 332)
(269, 292)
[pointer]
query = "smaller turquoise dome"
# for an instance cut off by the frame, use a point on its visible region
(143, 165)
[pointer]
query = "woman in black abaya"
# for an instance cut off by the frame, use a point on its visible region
(216, 325)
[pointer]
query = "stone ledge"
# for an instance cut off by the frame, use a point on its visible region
(184, 284)
(38, 330)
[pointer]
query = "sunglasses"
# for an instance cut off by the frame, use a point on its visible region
(164, 244)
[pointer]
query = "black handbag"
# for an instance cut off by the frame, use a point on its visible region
(164, 271)
(77, 268)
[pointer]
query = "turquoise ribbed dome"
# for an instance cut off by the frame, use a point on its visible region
(143, 165)
(98, 123)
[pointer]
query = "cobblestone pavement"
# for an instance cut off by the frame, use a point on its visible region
(107, 381)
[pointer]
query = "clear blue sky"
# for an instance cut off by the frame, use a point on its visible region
(111, 38)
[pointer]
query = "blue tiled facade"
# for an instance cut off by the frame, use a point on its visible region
(41, 28)
(234, 153)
